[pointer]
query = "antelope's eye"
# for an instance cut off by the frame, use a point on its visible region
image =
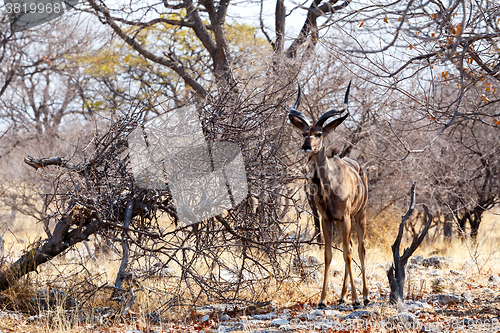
(318, 134)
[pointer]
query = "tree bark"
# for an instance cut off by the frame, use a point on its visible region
(280, 16)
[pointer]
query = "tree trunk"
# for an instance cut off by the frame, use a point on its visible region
(396, 274)
(43, 251)
(475, 221)
(448, 228)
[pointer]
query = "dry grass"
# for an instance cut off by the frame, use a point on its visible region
(479, 260)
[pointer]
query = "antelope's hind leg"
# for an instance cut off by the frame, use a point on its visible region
(345, 233)
(360, 228)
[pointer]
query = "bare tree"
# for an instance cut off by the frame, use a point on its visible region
(237, 251)
(396, 273)
(41, 76)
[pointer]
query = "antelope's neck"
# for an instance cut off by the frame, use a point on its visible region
(320, 164)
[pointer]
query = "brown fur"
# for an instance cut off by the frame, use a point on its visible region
(341, 194)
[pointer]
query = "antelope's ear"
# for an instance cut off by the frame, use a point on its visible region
(297, 120)
(334, 124)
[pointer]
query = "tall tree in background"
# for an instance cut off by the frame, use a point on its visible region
(207, 20)
(41, 83)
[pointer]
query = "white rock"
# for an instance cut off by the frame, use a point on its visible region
(288, 327)
(417, 305)
(358, 314)
(405, 318)
(308, 316)
(331, 313)
(467, 297)
(448, 298)
(494, 278)
(205, 318)
(324, 313)
(284, 316)
(436, 262)
(417, 259)
(228, 276)
(317, 312)
(434, 272)
(323, 325)
(279, 322)
(265, 316)
(488, 291)
(455, 272)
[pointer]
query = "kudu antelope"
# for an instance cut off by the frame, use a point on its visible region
(340, 191)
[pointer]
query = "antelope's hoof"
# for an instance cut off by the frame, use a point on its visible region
(321, 305)
(366, 301)
(357, 305)
(341, 301)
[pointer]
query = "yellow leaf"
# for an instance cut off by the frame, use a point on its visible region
(483, 97)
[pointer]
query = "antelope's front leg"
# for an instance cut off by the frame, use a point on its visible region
(328, 235)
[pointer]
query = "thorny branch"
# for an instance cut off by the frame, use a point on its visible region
(231, 257)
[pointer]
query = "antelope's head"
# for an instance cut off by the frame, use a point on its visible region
(313, 135)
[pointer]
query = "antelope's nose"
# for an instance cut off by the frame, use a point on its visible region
(306, 147)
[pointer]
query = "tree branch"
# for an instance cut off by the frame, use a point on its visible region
(43, 162)
(310, 25)
(200, 30)
(179, 69)
(180, 23)
(122, 272)
(8, 80)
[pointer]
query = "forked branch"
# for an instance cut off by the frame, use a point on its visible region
(396, 274)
